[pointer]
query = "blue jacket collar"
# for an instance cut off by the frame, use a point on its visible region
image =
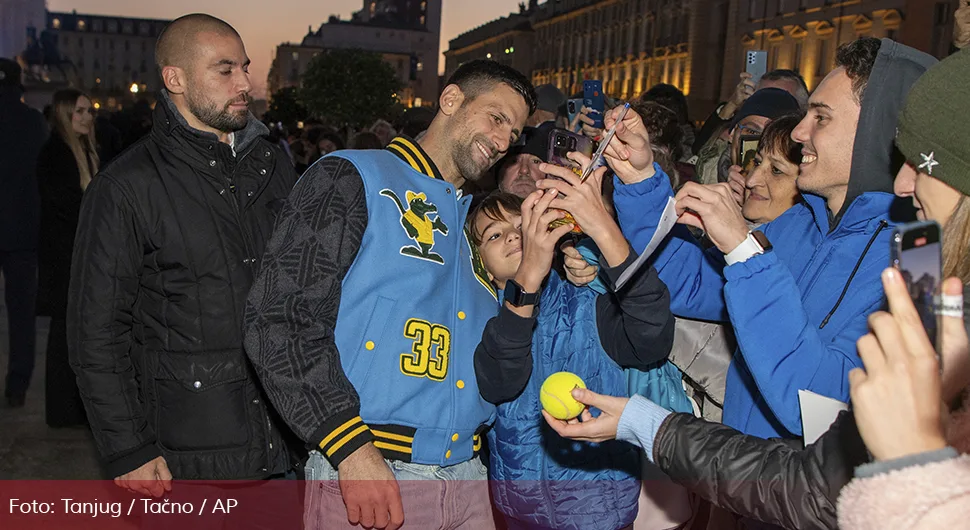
(862, 215)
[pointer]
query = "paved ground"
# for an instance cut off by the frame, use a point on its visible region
(29, 449)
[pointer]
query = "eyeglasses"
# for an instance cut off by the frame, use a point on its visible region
(744, 129)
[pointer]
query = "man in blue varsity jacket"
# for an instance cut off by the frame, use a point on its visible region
(368, 308)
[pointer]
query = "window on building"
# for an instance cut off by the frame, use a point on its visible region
(128, 27)
(81, 25)
(756, 9)
(113, 26)
(420, 66)
(97, 25)
(143, 28)
(822, 57)
(295, 56)
(796, 56)
(56, 23)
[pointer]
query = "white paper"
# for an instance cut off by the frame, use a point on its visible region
(818, 414)
(667, 221)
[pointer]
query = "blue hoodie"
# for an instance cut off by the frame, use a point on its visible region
(797, 310)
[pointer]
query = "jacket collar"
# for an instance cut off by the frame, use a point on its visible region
(168, 119)
(862, 215)
(411, 153)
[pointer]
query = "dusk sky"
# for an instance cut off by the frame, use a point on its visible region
(267, 23)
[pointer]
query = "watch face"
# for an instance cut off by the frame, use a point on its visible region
(762, 240)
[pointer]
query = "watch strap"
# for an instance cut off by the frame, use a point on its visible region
(743, 252)
(515, 295)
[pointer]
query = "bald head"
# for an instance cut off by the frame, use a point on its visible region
(178, 41)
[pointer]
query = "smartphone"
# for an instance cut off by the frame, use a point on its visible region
(746, 151)
(573, 107)
(756, 64)
(916, 251)
(594, 99)
(560, 143)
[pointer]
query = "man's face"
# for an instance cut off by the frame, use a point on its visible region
(827, 134)
(217, 88)
(483, 128)
(769, 188)
(519, 176)
(501, 244)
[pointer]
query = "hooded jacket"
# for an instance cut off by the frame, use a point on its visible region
(796, 310)
(167, 247)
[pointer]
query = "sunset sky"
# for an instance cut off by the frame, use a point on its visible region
(264, 24)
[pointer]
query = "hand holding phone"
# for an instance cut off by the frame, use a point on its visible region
(916, 252)
(561, 143)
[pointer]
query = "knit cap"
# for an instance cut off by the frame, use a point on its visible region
(934, 126)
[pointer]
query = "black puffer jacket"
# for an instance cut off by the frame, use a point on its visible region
(167, 248)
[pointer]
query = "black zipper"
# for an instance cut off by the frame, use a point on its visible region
(882, 224)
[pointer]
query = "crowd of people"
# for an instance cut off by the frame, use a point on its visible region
(376, 311)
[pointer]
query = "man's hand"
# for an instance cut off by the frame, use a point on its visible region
(582, 118)
(538, 241)
(370, 490)
(152, 479)
(742, 92)
(579, 272)
(897, 398)
(961, 25)
(713, 209)
(629, 153)
(590, 429)
(736, 181)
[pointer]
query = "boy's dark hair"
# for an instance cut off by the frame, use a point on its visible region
(492, 206)
(777, 138)
(858, 57)
(669, 96)
(475, 77)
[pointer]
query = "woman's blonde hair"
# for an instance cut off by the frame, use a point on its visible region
(82, 146)
(956, 242)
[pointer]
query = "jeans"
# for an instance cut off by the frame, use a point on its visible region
(19, 269)
(448, 498)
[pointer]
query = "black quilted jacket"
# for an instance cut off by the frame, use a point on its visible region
(168, 243)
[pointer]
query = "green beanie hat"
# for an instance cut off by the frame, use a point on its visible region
(934, 126)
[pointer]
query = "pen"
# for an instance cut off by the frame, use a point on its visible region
(602, 148)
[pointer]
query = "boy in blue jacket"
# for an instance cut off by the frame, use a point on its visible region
(540, 480)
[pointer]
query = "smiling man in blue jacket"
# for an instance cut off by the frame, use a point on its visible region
(799, 291)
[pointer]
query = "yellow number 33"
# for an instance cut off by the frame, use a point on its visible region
(420, 362)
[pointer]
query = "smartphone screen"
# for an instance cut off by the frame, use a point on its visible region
(747, 149)
(917, 254)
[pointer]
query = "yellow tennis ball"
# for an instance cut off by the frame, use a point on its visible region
(556, 398)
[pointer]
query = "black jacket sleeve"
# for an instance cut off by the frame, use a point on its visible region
(712, 127)
(291, 313)
(503, 359)
(104, 283)
(635, 325)
(775, 481)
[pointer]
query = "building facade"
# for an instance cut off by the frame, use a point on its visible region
(114, 57)
(15, 17)
(630, 45)
(405, 32)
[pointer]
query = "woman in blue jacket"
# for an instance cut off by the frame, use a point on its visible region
(540, 480)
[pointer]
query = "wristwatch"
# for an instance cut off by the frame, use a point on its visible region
(515, 295)
(756, 243)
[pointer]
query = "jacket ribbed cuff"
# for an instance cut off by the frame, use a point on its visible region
(920, 459)
(640, 422)
(131, 460)
(515, 329)
(341, 435)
